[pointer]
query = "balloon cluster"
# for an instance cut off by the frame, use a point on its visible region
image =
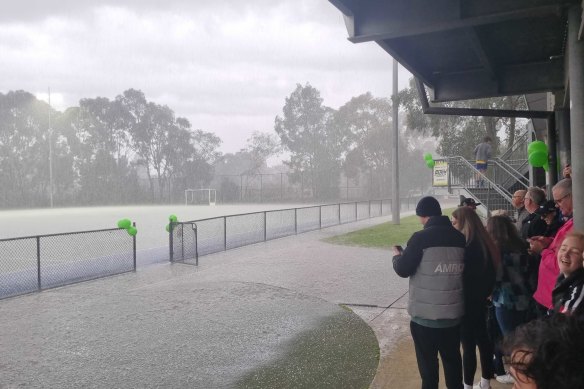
(126, 224)
(171, 219)
(537, 152)
(429, 160)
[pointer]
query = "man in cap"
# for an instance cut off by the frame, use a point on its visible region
(469, 202)
(434, 262)
(550, 215)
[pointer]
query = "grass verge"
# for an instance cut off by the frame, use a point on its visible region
(383, 235)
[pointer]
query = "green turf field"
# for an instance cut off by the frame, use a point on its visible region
(383, 235)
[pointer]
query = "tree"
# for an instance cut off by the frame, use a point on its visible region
(368, 121)
(316, 144)
(466, 130)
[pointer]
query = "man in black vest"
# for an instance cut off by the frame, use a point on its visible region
(434, 261)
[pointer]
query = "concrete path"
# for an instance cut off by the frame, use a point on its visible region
(261, 316)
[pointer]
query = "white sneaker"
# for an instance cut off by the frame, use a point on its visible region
(505, 379)
(479, 386)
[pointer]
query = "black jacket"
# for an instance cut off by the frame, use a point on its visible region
(437, 232)
(568, 295)
(479, 275)
(533, 225)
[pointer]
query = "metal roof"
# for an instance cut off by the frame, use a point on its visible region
(465, 49)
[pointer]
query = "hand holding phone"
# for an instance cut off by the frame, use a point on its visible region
(397, 250)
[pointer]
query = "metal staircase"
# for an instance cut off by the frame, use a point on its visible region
(505, 175)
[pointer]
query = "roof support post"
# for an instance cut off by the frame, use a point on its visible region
(576, 79)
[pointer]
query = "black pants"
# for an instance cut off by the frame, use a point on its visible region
(473, 334)
(428, 343)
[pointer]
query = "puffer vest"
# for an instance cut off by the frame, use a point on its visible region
(436, 289)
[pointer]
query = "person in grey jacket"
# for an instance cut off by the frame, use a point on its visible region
(482, 154)
(434, 262)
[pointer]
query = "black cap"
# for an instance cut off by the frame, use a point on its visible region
(428, 206)
(547, 207)
(469, 202)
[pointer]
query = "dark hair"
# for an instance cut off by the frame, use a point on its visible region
(504, 233)
(549, 351)
(470, 224)
(487, 139)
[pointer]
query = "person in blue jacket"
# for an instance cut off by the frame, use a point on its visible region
(434, 262)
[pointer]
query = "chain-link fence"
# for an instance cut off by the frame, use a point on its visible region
(34, 263)
(189, 240)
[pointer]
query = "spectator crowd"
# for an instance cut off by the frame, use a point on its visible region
(513, 288)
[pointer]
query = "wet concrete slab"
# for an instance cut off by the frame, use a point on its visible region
(243, 318)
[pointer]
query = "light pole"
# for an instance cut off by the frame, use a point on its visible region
(395, 204)
(50, 154)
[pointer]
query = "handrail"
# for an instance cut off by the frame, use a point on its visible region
(492, 185)
(521, 139)
(512, 172)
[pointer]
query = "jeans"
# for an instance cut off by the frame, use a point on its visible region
(509, 319)
(429, 342)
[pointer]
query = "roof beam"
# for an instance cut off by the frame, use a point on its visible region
(509, 113)
(512, 80)
(480, 51)
(376, 20)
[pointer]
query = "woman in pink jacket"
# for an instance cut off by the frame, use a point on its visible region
(548, 267)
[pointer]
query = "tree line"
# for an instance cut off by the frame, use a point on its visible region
(130, 150)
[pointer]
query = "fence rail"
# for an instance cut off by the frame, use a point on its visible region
(33, 263)
(191, 239)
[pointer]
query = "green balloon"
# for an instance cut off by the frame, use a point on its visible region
(168, 228)
(538, 158)
(124, 223)
(173, 218)
(428, 157)
(538, 145)
(132, 231)
(430, 163)
(546, 166)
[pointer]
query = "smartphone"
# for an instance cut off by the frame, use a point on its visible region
(400, 248)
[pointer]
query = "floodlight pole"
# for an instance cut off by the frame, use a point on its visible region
(50, 154)
(395, 203)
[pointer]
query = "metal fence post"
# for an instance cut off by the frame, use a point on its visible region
(170, 241)
(196, 246)
(356, 216)
(339, 213)
(38, 240)
(265, 225)
(320, 217)
(225, 233)
(134, 248)
(295, 221)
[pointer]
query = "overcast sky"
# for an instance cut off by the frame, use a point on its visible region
(226, 65)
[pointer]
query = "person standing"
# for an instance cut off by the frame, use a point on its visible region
(434, 262)
(533, 224)
(482, 153)
(481, 260)
(518, 201)
(548, 266)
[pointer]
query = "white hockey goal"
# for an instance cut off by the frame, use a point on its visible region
(207, 196)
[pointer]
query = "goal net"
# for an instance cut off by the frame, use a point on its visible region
(200, 196)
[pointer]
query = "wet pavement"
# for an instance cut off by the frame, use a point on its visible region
(262, 316)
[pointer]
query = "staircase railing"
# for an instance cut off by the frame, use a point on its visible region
(507, 176)
(462, 173)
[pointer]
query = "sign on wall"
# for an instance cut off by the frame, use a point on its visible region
(440, 174)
